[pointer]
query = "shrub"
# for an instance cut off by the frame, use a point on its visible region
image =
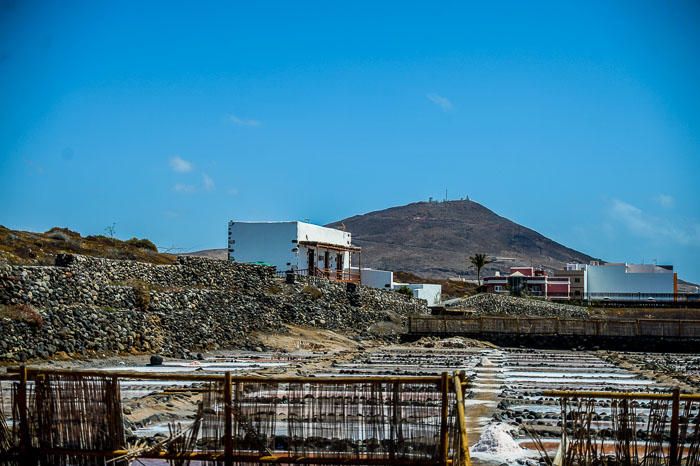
(274, 289)
(58, 235)
(405, 291)
(142, 244)
(62, 234)
(22, 313)
(142, 295)
(312, 292)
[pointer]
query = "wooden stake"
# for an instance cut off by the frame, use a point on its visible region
(465, 459)
(675, 411)
(444, 432)
(228, 421)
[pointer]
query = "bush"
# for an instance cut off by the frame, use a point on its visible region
(142, 244)
(142, 295)
(62, 234)
(22, 313)
(405, 291)
(58, 235)
(312, 292)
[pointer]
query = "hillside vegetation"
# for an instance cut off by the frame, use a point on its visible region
(27, 248)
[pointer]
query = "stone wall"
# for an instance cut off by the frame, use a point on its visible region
(96, 306)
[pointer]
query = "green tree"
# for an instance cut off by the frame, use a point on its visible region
(479, 261)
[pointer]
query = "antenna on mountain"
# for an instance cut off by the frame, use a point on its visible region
(445, 194)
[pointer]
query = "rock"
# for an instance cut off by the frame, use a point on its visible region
(156, 360)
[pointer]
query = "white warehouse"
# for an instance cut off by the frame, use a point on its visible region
(297, 246)
(645, 282)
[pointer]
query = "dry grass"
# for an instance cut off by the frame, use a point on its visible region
(21, 312)
(28, 248)
(312, 292)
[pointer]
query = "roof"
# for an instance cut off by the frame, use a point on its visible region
(335, 247)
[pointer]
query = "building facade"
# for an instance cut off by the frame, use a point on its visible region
(308, 249)
(529, 281)
(577, 275)
(631, 282)
(296, 246)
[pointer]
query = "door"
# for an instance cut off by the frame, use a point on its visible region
(339, 265)
(312, 263)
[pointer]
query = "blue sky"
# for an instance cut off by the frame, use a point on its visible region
(580, 120)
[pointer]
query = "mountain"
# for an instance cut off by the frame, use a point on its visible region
(435, 239)
(220, 254)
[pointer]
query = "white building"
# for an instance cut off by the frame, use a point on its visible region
(635, 282)
(430, 292)
(313, 250)
(384, 279)
(298, 246)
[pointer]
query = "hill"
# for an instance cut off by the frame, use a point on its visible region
(218, 254)
(28, 248)
(435, 239)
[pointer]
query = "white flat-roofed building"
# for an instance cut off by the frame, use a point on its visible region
(633, 282)
(297, 246)
(430, 292)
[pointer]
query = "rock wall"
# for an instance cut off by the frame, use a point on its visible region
(96, 306)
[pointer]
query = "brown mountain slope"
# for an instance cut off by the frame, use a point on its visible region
(435, 239)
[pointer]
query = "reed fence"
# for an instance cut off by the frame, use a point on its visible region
(60, 417)
(654, 429)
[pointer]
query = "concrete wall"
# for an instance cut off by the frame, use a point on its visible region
(382, 279)
(269, 242)
(309, 232)
(615, 278)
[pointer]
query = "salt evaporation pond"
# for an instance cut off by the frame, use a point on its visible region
(505, 390)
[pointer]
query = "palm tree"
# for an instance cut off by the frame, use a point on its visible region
(479, 261)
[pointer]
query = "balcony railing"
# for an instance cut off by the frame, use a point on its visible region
(345, 276)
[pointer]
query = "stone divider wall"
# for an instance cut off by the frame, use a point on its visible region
(98, 306)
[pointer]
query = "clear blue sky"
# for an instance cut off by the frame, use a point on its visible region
(580, 120)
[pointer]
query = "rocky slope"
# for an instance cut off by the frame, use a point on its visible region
(94, 306)
(492, 304)
(434, 239)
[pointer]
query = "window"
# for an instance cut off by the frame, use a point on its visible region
(577, 280)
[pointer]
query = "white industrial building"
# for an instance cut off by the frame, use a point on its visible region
(297, 246)
(634, 282)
